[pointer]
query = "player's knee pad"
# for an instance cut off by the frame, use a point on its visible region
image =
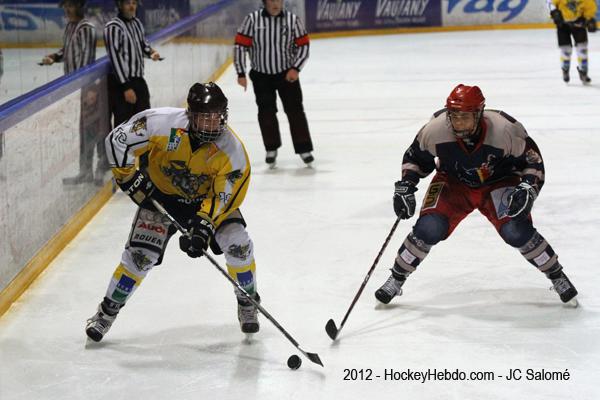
(582, 49)
(566, 51)
(517, 232)
(139, 260)
(237, 246)
(431, 228)
(234, 241)
(235, 217)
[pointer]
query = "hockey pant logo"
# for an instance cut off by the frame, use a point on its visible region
(432, 196)
(500, 198)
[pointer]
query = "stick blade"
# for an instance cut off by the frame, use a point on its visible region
(314, 357)
(331, 329)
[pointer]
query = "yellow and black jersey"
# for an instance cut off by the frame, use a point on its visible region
(573, 9)
(156, 141)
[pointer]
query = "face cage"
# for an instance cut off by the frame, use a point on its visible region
(202, 133)
(464, 134)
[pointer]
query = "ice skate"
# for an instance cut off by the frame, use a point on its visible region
(307, 158)
(248, 314)
(565, 289)
(390, 289)
(271, 158)
(585, 79)
(566, 75)
(98, 325)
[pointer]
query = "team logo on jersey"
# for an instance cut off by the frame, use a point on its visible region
(139, 126)
(187, 183)
(533, 157)
(224, 197)
(175, 139)
(433, 195)
(234, 176)
(477, 175)
(120, 135)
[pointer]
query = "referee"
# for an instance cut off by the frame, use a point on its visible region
(278, 46)
(126, 45)
(79, 50)
(79, 39)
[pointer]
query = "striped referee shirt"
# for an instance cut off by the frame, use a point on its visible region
(275, 43)
(79, 46)
(126, 45)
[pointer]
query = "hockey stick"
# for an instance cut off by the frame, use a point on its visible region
(314, 357)
(330, 327)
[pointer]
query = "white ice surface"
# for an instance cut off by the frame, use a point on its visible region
(474, 304)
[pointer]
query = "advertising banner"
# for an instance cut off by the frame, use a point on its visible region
(334, 15)
(44, 21)
(494, 12)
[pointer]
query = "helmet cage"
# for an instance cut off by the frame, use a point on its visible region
(207, 126)
(465, 133)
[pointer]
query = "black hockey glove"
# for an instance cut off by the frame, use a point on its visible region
(520, 201)
(404, 199)
(201, 232)
(591, 25)
(139, 187)
(557, 17)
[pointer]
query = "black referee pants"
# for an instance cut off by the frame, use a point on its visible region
(122, 110)
(266, 87)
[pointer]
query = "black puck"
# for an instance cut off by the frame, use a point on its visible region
(294, 362)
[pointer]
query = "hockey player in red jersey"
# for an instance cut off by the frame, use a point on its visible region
(484, 160)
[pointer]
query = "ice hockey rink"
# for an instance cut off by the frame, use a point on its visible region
(474, 306)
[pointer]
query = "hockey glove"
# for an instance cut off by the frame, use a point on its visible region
(557, 17)
(404, 199)
(139, 187)
(520, 201)
(201, 232)
(591, 25)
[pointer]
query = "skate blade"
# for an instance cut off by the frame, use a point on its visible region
(273, 166)
(90, 344)
(573, 303)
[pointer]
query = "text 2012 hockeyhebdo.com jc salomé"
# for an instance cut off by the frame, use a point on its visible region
(434, 374)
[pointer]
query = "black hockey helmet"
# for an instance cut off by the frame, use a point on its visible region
(207, 111)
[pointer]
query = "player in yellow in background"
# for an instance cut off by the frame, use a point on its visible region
(191, 162)
(572, 18)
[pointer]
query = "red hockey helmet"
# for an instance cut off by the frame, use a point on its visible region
(465, 98)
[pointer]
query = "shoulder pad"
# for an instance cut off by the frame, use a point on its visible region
(439, 112)
(505, 115)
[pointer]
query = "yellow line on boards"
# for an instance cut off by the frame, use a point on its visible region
(427, 29)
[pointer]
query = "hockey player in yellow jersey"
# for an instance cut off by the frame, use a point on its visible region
(572, 18)
(191, 162)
